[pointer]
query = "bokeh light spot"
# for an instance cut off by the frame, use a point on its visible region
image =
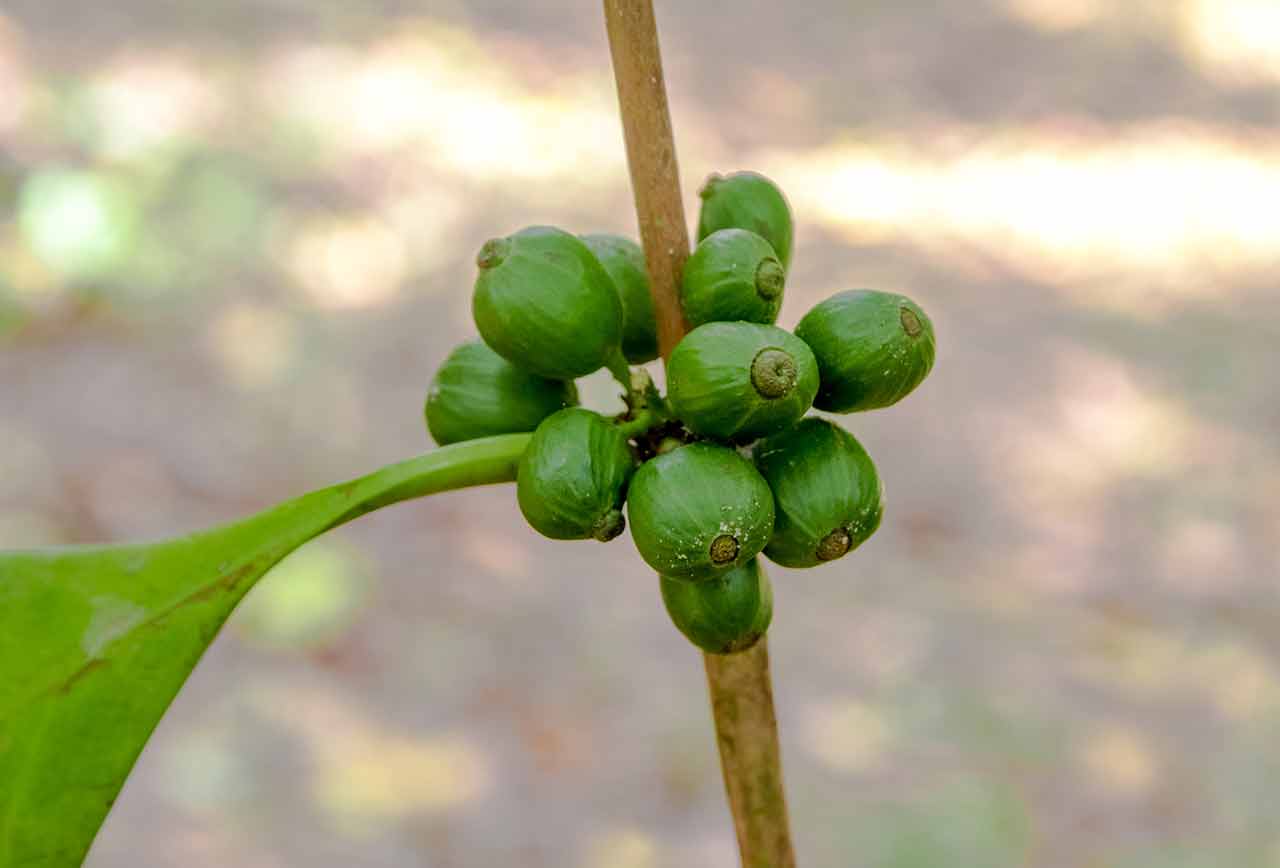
(1238, 41)
(1240, 680)
(203, 773)
(1120, 760)
(1085, 213)
(395, 777)
(621, 848)
(142, 102)
(78, 222)
(346, 263)
(1056, 16)
(848, 735)
(255, 344)
(308, 600)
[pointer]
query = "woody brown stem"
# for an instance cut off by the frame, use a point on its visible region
(740, 688)
(651, 156)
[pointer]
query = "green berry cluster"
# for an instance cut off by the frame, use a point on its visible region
(726, 466)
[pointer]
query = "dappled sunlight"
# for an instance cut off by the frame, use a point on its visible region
(308, 601)
(379, 778)
(1237, 41)
(347, 262)
(367, 774)
(1144, 662)
(463, 110)
(848, 735)
(1179, 205)
(1129, 426)
(1234, 42)
(1056, 461)
(1134, 218)
(204, 772)
(621, 848)
(1057, 16)
(1120, 760)
(143, 101)
(1133, 658)
(255, 344)
(1240, 679)
(429, 214)
(30, 280)
(76, 222)
(231, 262)
(1100, 426)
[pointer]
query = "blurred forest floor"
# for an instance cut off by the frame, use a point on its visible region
(237, 238)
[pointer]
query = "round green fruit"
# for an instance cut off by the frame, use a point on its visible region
(739, 380)
(733, 275)
(478, 393)
(723, 615)
(572, 478)
(872, 348)
(827, 495)
(544, 302)
(699, 511)
(747, 200)
(624, 260)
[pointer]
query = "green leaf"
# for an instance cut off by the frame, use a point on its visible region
(96, 641)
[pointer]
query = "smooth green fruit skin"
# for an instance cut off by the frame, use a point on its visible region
(720, 280)
(865, 354)
(747, 200)
(624, 260)
(822, 481)
(573, 477)
(681, 501)
(710, 386)
(544, 302)
(477, 393)
(724, 615)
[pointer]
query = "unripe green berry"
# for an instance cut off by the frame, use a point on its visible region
(698, 511)
(747, 200)
(572, 479)
(544, 302)
(477, 393)
(733, 275)
(723, 615)
(623, 259)
(827, 495)
(873, 348)
(738, 381)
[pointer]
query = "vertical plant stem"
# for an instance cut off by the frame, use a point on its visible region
(747, 735)
(740, 688)
(651, 156)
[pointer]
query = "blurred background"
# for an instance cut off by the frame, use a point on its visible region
(236, 239)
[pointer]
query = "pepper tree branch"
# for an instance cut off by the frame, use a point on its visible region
(740, 688)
